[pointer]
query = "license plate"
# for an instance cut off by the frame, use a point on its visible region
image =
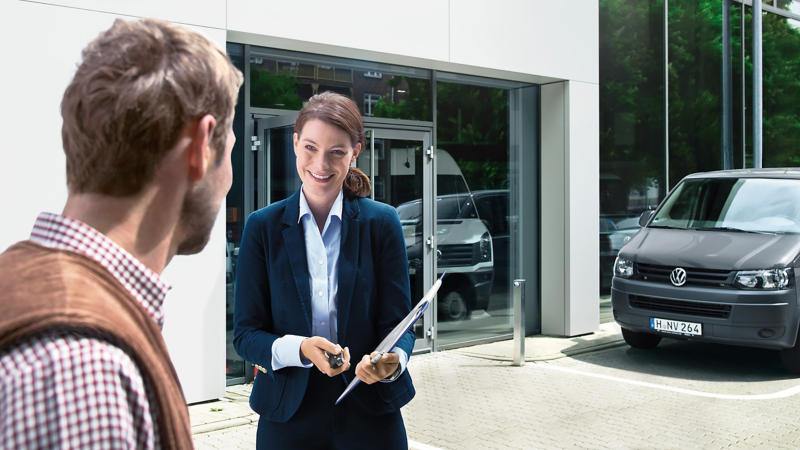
(676, 327)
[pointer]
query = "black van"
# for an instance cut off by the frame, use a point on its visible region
(717, 262)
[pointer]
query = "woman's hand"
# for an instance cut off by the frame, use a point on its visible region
(314, 349)
(371, 373)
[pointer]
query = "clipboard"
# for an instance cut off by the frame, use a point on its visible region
(391, 340)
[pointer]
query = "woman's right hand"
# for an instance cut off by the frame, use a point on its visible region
(314, 349)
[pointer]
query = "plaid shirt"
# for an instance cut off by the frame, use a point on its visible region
(66, 389)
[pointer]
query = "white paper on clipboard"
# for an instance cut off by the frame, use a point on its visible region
(391, 340)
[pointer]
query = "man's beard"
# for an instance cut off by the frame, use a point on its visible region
(197, 219)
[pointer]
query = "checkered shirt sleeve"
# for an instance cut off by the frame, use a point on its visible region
(64, 389)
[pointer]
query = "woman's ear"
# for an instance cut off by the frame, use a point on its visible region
(296, 142)
(356, 152)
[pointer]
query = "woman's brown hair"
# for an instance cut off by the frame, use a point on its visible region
(338, 110)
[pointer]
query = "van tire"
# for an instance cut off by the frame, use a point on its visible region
(791, 357)
(453, 307)
(640, 340)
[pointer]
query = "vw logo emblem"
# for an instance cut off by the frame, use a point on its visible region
(678, 277)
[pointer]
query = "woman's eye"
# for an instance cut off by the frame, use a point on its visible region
(338, 152)
(310, 147)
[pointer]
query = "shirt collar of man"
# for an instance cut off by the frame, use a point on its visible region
(64, 233)
(336, 209)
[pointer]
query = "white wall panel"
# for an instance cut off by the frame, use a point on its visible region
(540, 37)
(417, 28)
(39, 65)
(583, 168)
(206, 13)
(570, 208)
(554, 229)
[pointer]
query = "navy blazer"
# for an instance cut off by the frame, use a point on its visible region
(273, 299)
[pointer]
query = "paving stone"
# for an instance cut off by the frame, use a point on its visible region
(466, 400)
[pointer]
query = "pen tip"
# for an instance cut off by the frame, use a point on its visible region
(443, 274)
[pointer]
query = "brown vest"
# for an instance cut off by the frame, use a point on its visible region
(42, 288)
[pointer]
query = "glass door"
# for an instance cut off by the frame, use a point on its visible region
(400, 168)
(400, 172)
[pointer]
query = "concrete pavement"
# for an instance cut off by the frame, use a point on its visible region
(587, 392)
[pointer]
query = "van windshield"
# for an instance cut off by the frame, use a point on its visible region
(449, 207)
(735, 204)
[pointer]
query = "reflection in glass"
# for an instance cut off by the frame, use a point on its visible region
(695, 87)
(282, 83)
(398, 182)
(781, 90)
(234, 221)
(632, 149)
(472, 212)
(283, 179)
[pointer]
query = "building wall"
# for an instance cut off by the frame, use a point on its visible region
(44, 43)
(536, 41)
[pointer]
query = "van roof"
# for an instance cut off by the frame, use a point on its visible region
(788, 173)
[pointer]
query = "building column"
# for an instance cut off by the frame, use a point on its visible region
(570, 208)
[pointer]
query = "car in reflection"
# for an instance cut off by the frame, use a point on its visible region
(464, 250)
(620, 208)
(716, 262)
(492, 206)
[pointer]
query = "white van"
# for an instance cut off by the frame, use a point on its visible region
(463, 242)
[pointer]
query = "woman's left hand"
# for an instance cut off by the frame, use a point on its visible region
(371, 373)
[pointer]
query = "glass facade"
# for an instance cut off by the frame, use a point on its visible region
(649, 139)
(234, 221)
(472, 211)
(282, 80)
(456, 212)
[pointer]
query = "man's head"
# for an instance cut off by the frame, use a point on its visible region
(143, 89)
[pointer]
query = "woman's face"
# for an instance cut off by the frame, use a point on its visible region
(324, 154)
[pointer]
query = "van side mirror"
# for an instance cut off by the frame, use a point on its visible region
(646, 216)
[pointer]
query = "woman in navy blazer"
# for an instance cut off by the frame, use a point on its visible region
(329, 238)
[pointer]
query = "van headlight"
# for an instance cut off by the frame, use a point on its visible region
(623, 268)
(485, 247)
(769, 279)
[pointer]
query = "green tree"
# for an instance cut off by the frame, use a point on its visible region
(274, 91)
(416, 106)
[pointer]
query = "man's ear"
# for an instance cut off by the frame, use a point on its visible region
(199, 149)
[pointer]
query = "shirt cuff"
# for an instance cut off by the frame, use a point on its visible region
(286, 352)
(403, 362)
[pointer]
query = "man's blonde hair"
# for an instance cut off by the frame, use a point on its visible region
(138, 85)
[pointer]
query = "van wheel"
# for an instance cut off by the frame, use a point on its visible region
(453, 307)
(640, 340)
(791, 357)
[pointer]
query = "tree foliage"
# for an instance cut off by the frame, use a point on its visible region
(632, 89)
(274, 91)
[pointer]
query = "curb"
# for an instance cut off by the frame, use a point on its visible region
(581, 351)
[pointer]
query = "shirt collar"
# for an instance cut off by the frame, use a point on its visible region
(336, 209)
(64, 233)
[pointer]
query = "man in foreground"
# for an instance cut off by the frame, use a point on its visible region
(147, 137)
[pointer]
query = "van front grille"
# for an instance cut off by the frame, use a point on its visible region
(699, 277)
(456, 255)
(680, 306)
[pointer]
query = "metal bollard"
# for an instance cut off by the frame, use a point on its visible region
(519, 323)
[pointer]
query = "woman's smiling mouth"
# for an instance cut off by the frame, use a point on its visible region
(320, 177)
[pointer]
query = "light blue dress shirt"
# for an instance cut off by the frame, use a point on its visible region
(322, 257)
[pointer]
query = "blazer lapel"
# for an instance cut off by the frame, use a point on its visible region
(294, 239)
(348, 264)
